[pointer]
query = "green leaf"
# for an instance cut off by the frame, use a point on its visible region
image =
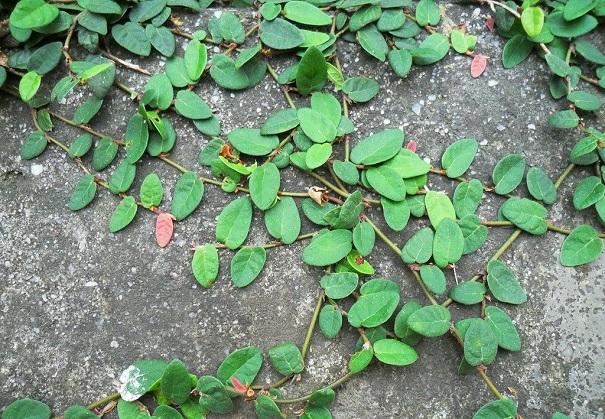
(246, 265)
(448, 243)
(584, 100)
(439, 207)
(396, 214)
(264, 184)
(526, 214)
(430, 321)
(564, 119)
(213, 395)
(503, 328)
(286, 359)
(45, 58)
(283, 221)
(373, 309)
(328, 248)
(433, 278)
(516, 50)
(386, 182)
(151, 191)
(243, 364)
(205, 265)
(480, 343)
(196, 58)
(583, 245)
(137, 136)
(80, 146)
(364, 16)
(557, 65)
(378, 147)
(104, 153)
(34, 145)
(270, 11)
(322, 397)
(572, 29)
(339, 285)
(475, 234)
(280, 121)
(166, 412)
(306, 13)
(234, 222)
(175, 382)
(408, 164)
(498, 409)
(158, 92)
(29, 85)
(280, 34)
(458, 40)
(265, 408)
(360, 360)
(161, 39)
(540, 186)
(587, 50)
(468, 292)
(132, 36)
(330, 321)
(132, 410)
(578, 8)
(317, 126)
(364, 238)
(122, 178)
(372, 41)
(508, 173)
(26, 409)
(317, 155)
(191, 106)
(250, 141)
(346, 171)
(87, 110)
(467, 197)
(427, 13)
(503, 283)
(360, 89)
(123, 214)
(394, 352)
(400, 60)
(401, 327)
(419, 248)
(30, 14)
(231, 28)
(187, 195)
(532, 20)
(83, 193)
(458, 157)
(434, 48)
(312, 69)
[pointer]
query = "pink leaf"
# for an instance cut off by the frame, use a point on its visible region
(164, 228)
(411, 145)
(238, 386)
(478, 65)
(490, 23)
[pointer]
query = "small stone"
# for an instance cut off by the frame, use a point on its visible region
(37, 169)
(114, 344)
(492, 83)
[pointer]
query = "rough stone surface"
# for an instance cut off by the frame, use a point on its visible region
(78, 304)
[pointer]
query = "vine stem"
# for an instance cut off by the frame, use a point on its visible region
(306, 397)
(549, 226)
(312, 324)
(272, 244)
(103, 401)
(284, 90)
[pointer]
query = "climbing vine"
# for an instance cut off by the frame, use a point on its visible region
(347, 176)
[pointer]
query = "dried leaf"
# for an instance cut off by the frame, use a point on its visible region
(478, 65)
(164, 228)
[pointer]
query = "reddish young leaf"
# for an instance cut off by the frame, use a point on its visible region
(411, 145)
(164, 229)
(478, 65)
(238, 386)
(490, 23)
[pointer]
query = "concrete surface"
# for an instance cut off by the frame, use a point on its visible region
(78, 304)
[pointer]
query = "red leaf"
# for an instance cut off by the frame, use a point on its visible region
(411, 145)
(490, 23)
(238, 386)
(164, 229)
(478, 65)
